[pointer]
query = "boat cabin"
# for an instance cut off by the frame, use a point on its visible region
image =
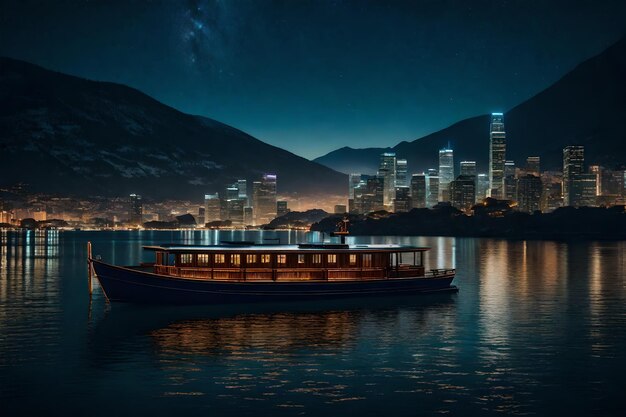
(324, 262)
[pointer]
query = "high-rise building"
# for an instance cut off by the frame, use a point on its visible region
(510, 186)
(354, 180)
(482, 187)
(369, 196)
(418, 191)
(582, 190)
(463, 192)
(446, 172)
(135, 212)
(242, 187)
(281, 208)
(497, 155)
(232, 209)
(533, 166)
(340, 209)
(248, 216)
(232, 192)
(264, 199)
(573, 165)
(402, 202)
(529, 191)
(212, 208)
(468, 168)
(432, 192)
(387, 170)
(402, 173)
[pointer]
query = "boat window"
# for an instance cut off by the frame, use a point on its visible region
(301, 258)
(186, 259)
(235, 259)
(367, 260)
(265, 258)
(251, 258)
(281, 259)
(353, 259)
(332, 258)
(203, 259)
(219, 258)
(317, 258)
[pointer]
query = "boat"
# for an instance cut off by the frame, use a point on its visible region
(251, 273)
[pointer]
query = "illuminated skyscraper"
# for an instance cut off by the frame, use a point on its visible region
(402, 202)
(482, 186)
(582, 190)
(402, 179)
(432, 190)
(418, 191)
(463, 192)
(281, 208)
(264, 199)
(510, 187)
(212, 208)
(533, 165)
(468, 168)
(573, 165)
(497, 155)
(135, 210)
(387, 171)
(446, 173)
(242, 187)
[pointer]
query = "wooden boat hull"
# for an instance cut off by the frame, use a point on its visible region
(131, 285)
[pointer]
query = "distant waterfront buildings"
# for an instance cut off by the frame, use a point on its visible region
(402, 201)
(497, 155)
(446, 173)
(135, 210)
(340, 209)
(432, 190)
(533, 166)
(281, 208)
(418, 190)
(582, 190)
(354, 180)
(510, 186)
(369, 196)
(482, 187)
(468, 168)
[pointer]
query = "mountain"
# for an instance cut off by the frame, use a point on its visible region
(72, 136)
(586, 107)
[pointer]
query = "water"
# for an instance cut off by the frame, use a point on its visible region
(538, 328)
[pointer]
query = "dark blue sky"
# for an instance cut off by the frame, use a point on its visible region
(312, 76)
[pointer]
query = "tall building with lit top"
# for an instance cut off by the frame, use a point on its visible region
(264, 199)
(497, 155)
(402, 173)
(387, 171)
(573, 165)
(510, 186)
(135, 214)
(482, 187)
(446, 172)
(529, 191)
(212, 208)
(533, 166)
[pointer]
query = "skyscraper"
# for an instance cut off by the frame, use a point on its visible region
(242, 187)
(212, 208)
(281, 208)
(463, 192)
(529, 190)
(582, 190)
(368, 196)
(387, 170)
(497, 155)
(533, 165)
(573, 165)
(135, 210)
(264, 199)
(402, 202)
(402, 179)
(418, 191)
(446, 173)
(482, 186)
(432, 191)
(468, 168)
(353, 181)
(510, 187)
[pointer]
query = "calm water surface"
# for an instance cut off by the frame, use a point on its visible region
(538, 328)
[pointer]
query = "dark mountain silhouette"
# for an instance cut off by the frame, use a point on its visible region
(64, 134)
(585, 107)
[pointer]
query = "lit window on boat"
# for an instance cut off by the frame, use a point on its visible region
(203, 259)
(265, 258)
(250, 258)
(367, 260)
(235, 259)
(186, 259)
(352, 259)
(332, 258)
(281, 259)
(317, 258)
(219, 258)
(301, 258)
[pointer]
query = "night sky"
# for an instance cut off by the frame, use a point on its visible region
(312, 76)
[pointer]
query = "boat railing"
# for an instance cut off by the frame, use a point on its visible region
(434, 273)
